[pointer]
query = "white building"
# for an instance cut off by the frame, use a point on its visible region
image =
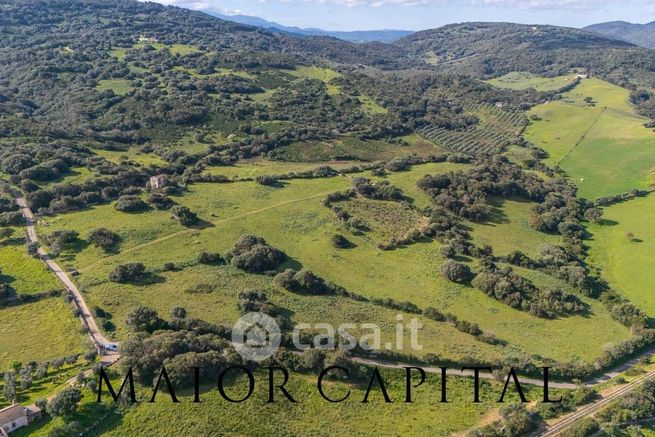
(12, 418)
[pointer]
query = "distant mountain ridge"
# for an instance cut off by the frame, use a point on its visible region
(640, 34)
(359, 36)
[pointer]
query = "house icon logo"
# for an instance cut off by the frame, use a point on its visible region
(256, 336)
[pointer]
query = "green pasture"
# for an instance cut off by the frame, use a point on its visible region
(604, 149)
(25, 274)
(622, 245)
(41, 330)
(351, 148)
(523, 80)
(508, 229)
(310, 415)
(118, 86)
(292, 218)
(261, 167)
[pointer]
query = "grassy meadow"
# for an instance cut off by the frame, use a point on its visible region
(292, 218)
(521, 80)
(311, 415)
(602, 145)
(622, 246)
(41, 330)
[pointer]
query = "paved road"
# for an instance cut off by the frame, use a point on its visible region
(85, 315)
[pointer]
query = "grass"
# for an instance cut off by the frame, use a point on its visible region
(24, 273)
(325, 75)
(38, 331)
(370, 106)
(350, 148)
(626, 263)
(293, 219)
(118, 86)
(522, 80)
(259, 167)
(508, 229)
(144, 159)
(386, 220)
(311, 414)
(75, 175)
(604, 149)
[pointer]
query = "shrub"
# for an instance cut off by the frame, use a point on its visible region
(103, 238)
(184, 215)
(266, 180)
(340, 242)
(455, 271)
(253, 254)
(303, 281)
(130, 203)
(127, 272)
(11, 218)
(210, 258)
(159, 201)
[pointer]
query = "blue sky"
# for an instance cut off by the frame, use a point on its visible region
(425, 14)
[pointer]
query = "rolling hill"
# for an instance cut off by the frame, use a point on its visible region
(358, 36)
(639, 34)
(494, 49)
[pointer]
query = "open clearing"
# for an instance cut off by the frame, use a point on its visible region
(41, 330)
(25, 274)
(522, 80)
(628, 263)
(293, 219)
(604, 148)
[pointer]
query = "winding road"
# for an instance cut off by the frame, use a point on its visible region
(99, 341)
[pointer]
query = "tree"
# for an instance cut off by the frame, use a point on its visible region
(593, 215)
(184, 215)
(455, 271)
(41, 404)
(340, 242)
(130, 203)
(9, 389)
(64, 403)
(142, 318)
(253, 254)
(103, 238)
(178, 312)
(127, 272)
